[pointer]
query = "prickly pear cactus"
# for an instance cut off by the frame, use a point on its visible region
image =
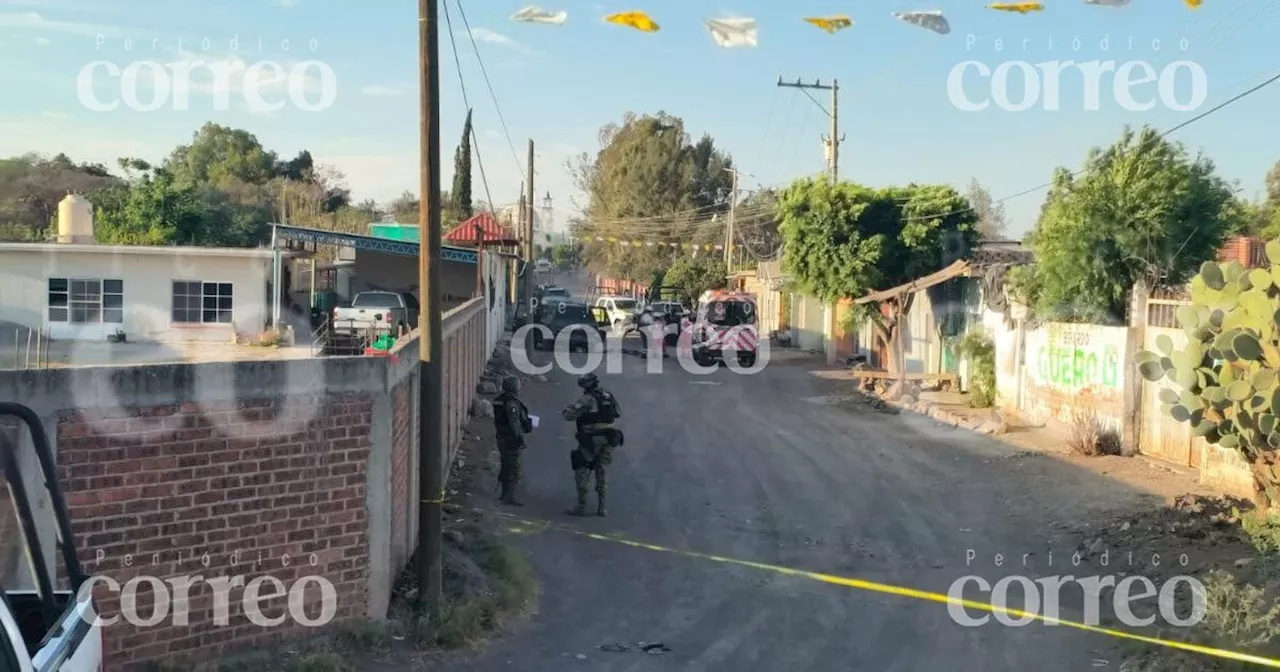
(1225, 378)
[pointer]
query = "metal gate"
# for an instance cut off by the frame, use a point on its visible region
(1159, 435)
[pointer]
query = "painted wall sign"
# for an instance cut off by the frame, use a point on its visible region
(1074, 356)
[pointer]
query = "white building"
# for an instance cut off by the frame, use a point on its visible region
(78, 290)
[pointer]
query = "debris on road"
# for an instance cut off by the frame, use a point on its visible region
(651, 648)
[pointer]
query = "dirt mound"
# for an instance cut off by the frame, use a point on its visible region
(1192, 536)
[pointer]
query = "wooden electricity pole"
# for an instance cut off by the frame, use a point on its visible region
(430, 342)
(528, 232)
(832, 142)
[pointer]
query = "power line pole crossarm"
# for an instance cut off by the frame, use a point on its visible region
(832, 143)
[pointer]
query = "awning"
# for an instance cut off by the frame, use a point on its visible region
(955, 270)
(491, 231)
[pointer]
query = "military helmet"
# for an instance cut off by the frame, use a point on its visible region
(588, 381)
(511, 384)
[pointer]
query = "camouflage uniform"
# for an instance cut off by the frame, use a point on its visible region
(510, 418)
(595, 450)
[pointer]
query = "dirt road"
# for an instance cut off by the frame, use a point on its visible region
(769, 468)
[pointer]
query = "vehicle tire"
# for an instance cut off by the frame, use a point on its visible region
(747, 359)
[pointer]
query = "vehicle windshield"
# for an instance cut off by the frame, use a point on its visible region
(555, 291)
(379, 300)
(731, 313)
(625, 304)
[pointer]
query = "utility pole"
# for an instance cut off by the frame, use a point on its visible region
(529, 246)
(733, 213)
(833, 141)
(430, 341)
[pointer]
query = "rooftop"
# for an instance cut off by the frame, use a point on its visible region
(163, 250)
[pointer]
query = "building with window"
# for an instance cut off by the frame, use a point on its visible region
(84, 291)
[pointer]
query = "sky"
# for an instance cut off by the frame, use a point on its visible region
(559, 84)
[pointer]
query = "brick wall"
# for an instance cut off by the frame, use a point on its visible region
(244, 462)
(199, 494)
(402, 471)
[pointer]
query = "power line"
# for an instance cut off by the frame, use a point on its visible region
(485, 73)
(1268, 82)
(462, 84)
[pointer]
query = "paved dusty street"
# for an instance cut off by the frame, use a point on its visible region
(763, 468)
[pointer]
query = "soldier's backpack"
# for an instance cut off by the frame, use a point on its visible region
(606, 407)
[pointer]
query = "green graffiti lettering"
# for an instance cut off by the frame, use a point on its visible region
(1110, 367)
(1077, 366)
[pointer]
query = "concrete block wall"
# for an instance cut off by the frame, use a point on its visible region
(281, 469)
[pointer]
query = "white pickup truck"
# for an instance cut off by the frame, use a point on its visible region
(376, 312)
(42, 628)
(621, 310)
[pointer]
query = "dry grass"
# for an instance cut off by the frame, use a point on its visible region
(1091, 436)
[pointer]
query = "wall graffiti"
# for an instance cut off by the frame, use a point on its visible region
(1078, 356)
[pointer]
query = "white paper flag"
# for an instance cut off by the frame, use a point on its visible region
(535, 14)
(733, 32)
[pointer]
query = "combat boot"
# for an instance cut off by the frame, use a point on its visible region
(509, 497)
(506, 493)
(600, 507)
(581, 508)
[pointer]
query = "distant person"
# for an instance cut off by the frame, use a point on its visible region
(511, 420)
(594, 412)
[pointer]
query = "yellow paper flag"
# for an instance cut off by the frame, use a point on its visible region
(637, 20)
(1019, 7)
(830, 23)
(1193, 4)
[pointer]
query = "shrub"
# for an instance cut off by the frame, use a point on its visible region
(980, 350)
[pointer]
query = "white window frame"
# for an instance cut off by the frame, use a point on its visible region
(210, 290)
(98, 301)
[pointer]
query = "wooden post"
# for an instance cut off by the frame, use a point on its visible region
(479, 260)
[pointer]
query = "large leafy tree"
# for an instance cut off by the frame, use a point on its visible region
(649, 182)
(844, 241)
(689, 277)
(1142, 210)
(990, 213)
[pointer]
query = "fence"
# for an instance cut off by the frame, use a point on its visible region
(23, 348)
(284, 469)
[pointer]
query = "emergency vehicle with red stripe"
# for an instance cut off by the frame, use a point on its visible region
(725, 323)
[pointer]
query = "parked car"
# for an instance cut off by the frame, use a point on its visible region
(621, 311)
(373, 312)
(560, 316)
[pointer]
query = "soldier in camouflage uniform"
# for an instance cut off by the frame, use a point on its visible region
(594, 412)
(511, 420)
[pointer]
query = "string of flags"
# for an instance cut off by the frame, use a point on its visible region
(649, 243)
(742, 32)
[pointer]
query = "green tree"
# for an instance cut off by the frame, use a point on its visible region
(157, 211)
(843, 241)
(218, 152)
(689, 277)
(990, 213)
(648, 169)
(1142, 210)
(461, 192)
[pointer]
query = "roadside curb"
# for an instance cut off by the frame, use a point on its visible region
(940, 415)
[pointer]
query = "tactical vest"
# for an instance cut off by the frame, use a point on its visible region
(501, 417)
(604, 413)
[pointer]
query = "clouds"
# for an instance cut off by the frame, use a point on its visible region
(382, 91)
(493, 37)
(34, 21)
